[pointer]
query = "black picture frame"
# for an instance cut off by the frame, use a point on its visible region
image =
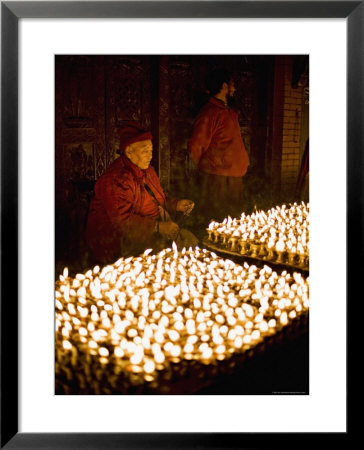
(11, 12)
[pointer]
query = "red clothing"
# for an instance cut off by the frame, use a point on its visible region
(216, 144)
(122, 213)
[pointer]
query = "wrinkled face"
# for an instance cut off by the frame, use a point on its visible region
(140, 153)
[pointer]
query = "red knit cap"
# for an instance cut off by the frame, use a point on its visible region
(131, 132)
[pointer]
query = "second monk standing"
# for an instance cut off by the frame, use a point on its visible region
(217, 148)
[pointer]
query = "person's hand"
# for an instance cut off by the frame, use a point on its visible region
(185, 206)
(169, 230)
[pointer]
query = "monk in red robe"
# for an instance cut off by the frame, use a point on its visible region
(130, 211)
(217, 149)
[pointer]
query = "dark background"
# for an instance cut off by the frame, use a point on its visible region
(94, 95)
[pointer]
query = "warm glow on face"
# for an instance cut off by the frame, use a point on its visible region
(140, 153)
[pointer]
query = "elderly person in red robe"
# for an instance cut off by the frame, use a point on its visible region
(129, 211)
(217, 148)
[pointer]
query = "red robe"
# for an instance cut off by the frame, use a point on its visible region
(216, 145)
(122, 213)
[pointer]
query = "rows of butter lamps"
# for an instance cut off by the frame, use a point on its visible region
(279, 235)
(137, 318)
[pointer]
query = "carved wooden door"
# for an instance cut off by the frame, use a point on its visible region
(128, 97)
(80, 145)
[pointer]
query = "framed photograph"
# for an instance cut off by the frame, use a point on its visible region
(63, 109)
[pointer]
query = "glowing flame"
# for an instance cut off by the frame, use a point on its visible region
(143, 313)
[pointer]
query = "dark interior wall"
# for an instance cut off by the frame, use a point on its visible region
(81, 152)
(96, 94)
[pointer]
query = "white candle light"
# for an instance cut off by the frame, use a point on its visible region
(123, 322)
